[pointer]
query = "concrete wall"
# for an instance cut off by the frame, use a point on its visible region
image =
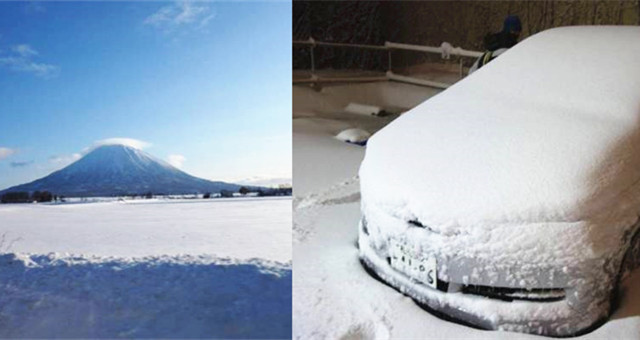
(462, 23)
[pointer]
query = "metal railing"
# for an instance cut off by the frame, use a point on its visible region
(445, 50)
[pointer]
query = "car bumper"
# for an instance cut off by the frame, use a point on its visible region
(562, 301)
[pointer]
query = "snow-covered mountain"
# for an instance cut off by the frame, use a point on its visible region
(117, 170)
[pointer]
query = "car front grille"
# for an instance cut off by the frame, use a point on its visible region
(510, 294)
(502, 293)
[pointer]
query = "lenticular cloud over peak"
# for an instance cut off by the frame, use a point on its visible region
(131, 142)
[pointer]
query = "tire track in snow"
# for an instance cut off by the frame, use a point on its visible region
(304, 207)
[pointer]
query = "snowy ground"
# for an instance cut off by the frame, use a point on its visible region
(237, 228)
(147, 268)
(333, 296)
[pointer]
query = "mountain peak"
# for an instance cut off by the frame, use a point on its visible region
(118, 169)
(113, 150)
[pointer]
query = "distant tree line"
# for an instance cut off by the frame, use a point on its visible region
(282, 191)
(46, 196)
(25, 197)
(261, 192)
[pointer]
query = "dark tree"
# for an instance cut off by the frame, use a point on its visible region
(282, 191)
(243, 191)
(45, 196)
(41, 196)
(15, 197)
(207, 195)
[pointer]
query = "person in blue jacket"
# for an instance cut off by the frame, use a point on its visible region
(506, 38)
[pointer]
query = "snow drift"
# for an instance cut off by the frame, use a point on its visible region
(153, 297)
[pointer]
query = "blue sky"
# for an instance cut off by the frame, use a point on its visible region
(203, 85)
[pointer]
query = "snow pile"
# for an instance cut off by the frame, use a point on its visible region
(362, 109)
(354, 136)
(152, 297)
(447, 50)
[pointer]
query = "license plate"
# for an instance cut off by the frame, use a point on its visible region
(408, 260)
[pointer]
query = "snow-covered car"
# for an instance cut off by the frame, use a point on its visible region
(511, 200)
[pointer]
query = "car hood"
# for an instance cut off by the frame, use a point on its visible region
(549, 131)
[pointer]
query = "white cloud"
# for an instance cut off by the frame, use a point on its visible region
(6, 152)
(24, 50)
(176, 160)
(134, 143)
(64, 159)
(20, 59)
(181, 14)
(205, 21)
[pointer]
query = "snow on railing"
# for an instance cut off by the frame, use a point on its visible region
(445, 50)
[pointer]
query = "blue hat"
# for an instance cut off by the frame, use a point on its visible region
(512, 23)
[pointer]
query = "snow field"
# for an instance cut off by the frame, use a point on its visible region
(237, 228)
(333, 297)
(158, 268)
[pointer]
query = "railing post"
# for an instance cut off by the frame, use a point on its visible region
(313, 64)
(389, 46)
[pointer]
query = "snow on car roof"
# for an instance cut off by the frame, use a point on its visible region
(548, 131)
